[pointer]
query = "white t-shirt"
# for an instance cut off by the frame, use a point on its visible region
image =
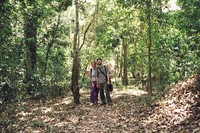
(93, 74)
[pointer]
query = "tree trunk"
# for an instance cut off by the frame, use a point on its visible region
(160, 67)
(125, 57)
(120, 68)
(134, 69)
(2, 29)
(97, 13)
(30, 34)
(75, 68)
(117, 64)
(149, 87)
(120, 61)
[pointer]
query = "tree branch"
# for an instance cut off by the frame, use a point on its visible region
(88, 27)
(50, 44)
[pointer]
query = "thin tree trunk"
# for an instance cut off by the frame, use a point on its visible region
(117, 64)
(159, 75)
(86, 30)
(125, 57)
(97, 13)
(120, 64)
(135, 57)
(120, 68)
(75, 68)
(149, 87)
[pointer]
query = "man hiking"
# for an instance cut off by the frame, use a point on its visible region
(102, 82)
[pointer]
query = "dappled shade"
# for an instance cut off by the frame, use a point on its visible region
(131, 112)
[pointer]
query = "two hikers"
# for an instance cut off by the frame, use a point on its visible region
(102, 80)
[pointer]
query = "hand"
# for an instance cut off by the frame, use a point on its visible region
(108, 82)
(92, 85)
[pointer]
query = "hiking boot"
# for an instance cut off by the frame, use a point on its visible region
(103, 103)
(110, 103)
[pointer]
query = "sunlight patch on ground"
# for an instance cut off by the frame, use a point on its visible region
(74, 119)
(85, 90)
(23, 113)
(36, 131)
(135, 92)
(66, 101)
(61, 124)
(47, 119)
(36, 108)
(46, 109)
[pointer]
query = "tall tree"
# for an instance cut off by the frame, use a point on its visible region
(149, 43)
(125, 59)
(75, 67)
(30, 35)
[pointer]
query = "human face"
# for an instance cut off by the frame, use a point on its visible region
(93, 65)
(99, 62)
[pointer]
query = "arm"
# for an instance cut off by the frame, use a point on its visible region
(108, 74)
(97, 76)
(90, 76)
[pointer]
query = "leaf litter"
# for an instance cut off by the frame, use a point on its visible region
(177, 111)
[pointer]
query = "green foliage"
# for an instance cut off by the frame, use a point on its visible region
(189, 17)
(127, 3)
(13, 50)
(175, 50)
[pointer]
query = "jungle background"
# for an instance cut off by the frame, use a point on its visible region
(151, 47)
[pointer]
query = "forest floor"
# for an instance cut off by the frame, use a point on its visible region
(132, 112)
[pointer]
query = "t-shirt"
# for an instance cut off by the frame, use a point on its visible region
(93, 74)
(101, 76)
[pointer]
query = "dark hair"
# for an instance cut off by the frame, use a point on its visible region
(99, 59)
(93, 62)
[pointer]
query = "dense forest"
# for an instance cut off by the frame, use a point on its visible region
(46, 47)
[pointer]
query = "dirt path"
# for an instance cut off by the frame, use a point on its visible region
(60, 115)
(178, 112)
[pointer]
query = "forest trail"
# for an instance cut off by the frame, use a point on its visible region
(177, 112)
(60, 115)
